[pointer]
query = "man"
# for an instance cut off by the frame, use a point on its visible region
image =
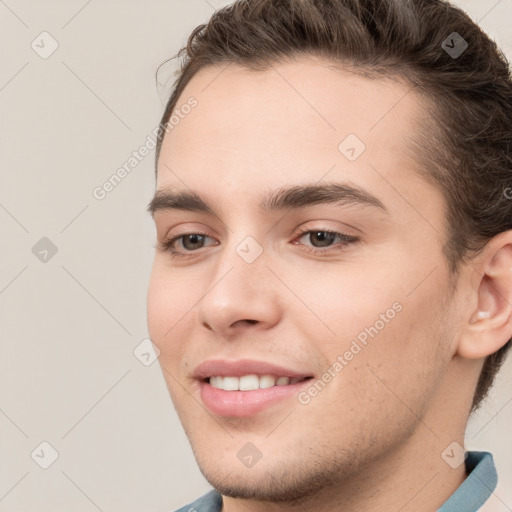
(332, 286)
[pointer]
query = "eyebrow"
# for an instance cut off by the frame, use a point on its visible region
(285, 198)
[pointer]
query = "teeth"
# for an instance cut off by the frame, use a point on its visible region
(247, 382)
(230, 383)
(250, 382)
(216, 382)
(267, 381)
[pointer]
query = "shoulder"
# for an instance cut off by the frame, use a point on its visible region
(209, 502)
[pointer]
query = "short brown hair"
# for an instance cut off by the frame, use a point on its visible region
(464, 148)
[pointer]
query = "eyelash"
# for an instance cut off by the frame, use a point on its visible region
(167, 245)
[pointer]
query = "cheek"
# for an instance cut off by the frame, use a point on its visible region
(163, 313)
(349, 301)
(157, 309)
(169, 306)
(378, 322)
(408, 357)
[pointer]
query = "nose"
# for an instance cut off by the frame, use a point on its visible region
(241, 294)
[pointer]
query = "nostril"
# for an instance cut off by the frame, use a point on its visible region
(207, 326)
(245, 321)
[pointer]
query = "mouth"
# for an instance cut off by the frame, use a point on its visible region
(245, 388)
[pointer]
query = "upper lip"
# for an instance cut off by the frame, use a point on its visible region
(221, 367)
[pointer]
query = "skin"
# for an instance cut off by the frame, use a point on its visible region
(372, 439)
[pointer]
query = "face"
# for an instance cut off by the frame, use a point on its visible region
(302, 335)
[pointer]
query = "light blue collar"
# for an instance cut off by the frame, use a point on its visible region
(478, 486)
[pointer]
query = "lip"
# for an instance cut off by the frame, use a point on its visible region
(245, 403)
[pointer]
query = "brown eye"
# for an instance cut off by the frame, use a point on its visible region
(191, 242)
(320, 241)
(323, 238)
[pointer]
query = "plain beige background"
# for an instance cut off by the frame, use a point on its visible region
(70, 321)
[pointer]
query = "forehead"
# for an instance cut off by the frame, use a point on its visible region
(295, 122)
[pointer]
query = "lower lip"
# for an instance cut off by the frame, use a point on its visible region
(240, 404)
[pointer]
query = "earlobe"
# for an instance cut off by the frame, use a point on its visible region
(489, 325)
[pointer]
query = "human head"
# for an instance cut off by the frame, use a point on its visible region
(464, 148)
(275, 119)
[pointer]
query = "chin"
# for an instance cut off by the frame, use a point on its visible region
(289, 481)
(276, 488)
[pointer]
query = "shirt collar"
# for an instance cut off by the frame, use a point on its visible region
(477, 487)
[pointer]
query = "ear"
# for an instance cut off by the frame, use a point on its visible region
(488, 326)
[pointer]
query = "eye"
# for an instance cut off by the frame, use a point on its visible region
(189, 243)
(324, 238)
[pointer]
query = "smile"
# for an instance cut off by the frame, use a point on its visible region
(245, 387)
